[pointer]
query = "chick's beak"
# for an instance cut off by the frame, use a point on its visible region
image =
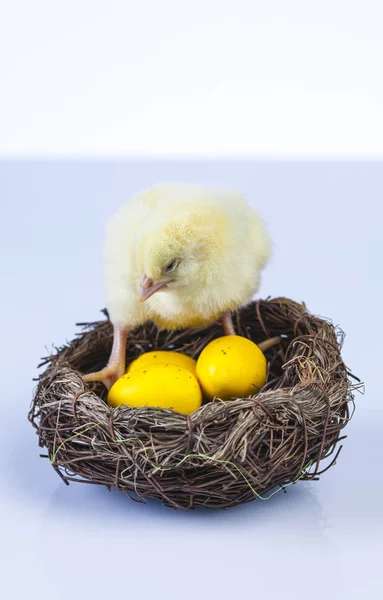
(148, 287)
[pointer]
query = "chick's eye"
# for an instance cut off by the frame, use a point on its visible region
(171, 265)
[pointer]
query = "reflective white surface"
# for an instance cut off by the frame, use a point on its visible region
(320, 539)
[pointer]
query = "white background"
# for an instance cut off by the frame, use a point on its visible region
(320, 540)
(262, 79)
(192, 77)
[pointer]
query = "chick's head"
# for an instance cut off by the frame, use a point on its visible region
(175, 255)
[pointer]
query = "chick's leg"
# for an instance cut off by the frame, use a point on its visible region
(116, 364)
(227, 322)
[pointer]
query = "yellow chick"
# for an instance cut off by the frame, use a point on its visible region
(181, 256)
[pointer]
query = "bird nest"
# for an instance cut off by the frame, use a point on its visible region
(223, 454)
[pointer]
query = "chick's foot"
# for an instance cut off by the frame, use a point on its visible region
(116, 364)
(108, 375)
(228, 325)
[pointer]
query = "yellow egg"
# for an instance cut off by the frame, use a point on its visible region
(159, 385)
(231, 367)
(163, 356)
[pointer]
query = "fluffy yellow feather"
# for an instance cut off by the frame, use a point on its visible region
(181, 256)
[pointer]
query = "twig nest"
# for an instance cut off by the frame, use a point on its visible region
(226, 452)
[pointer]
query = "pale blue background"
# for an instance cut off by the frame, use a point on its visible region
(320, 539)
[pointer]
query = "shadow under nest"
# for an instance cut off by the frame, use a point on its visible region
(223, 454)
